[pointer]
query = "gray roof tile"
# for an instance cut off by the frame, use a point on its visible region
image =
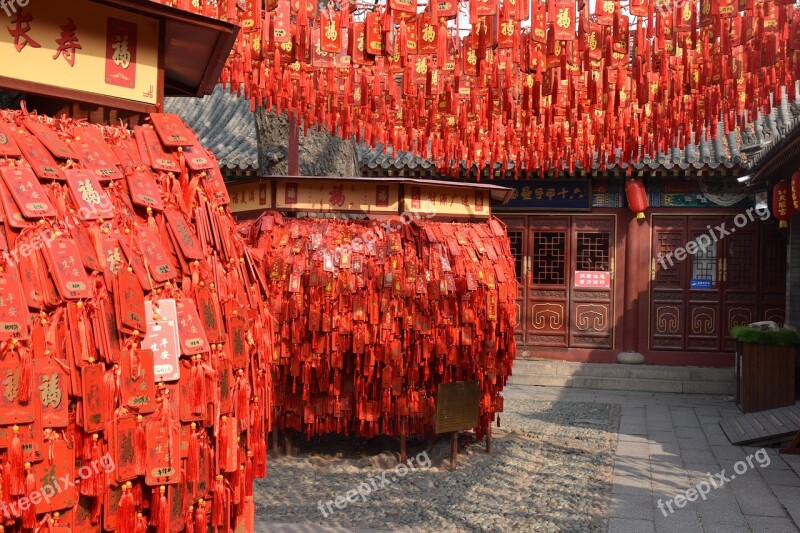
(224, 123)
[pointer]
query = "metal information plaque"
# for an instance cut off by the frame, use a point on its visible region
(457, 406)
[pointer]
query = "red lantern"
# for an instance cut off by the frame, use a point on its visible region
(637, 197)
(796, 190)
(782, 207)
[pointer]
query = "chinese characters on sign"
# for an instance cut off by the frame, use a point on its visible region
(597, 280)
(82, 46)
(250, 197)
(548, 194)
(337, 196)
(443, 200)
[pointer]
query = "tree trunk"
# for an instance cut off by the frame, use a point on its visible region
(321, 154)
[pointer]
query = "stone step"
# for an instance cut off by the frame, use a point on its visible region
(644, 378)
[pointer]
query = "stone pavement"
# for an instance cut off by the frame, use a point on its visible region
(668, 443)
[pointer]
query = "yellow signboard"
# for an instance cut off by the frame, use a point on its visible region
(79, 49)
(449, 201)
(250, 197)
(318, 195)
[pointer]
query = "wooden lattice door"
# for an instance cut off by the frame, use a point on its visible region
(547, 281)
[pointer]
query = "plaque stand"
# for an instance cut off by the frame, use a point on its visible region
(275, 441)
(454, 452)
(489, 437)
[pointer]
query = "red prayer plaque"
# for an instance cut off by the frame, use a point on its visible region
(215, 186)
(96, 157)
(82, 521)
(11, 411)
(162, 339)
(50, 392)
(178, 505)
(14, 317)
(171, 129)
(49, 138)
(144, 190)
(131, 297)
(13, 215)
(163, 462)
(92, 200)
(159, 158)
(128, 154)
(92, 388)
(111, 501)
(38, 157)
(67, 269)
(121, 47)
(184, 235)
(8, 146)
(197, 157)
(124, 429)
(208, 305)
(136, 261)
(137, 385)
(86, 247)
(158, 262)
(237, 340)
(58, 464)
(191, 333)
(187, 401)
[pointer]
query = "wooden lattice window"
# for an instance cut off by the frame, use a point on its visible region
(516, 238)
(593, 251)
(668, 242)
(549, 257)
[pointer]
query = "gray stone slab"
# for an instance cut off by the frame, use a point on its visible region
(721, 512)
(690, 433)
(693, 444)
(627, 525)
(780, 477)
(790, 499)
(755, 498)
(769, 524)
(638, 506)
(677, 524)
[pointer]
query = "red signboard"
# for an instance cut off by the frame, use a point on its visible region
(121, 53)
(598, 280)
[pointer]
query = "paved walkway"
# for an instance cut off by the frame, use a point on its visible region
(669, 444)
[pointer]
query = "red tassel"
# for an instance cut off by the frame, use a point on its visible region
(29, 514)
(163, 511)
(189, 520)
(127, 509)
(138, 497)
(25, 374)
(17, 464)
(242, 397)
(155, 506)
(141, 524)
(198, 382)
(200, 524)
(193, 462)
(110, 393)
(218, 507)
(248, 474)
(140, 446)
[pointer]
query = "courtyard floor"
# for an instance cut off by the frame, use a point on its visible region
(564, 459)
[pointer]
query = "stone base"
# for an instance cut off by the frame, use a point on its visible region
(630, 358)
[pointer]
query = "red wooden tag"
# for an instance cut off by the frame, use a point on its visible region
(159, 158)
(100, 164)
(67, 269)
(86, 247)
(162, 338)
(124, 448)
(136, 261)
(14, 317)
(50, 392)
(28, 193)
(178, 505)
(226, 381)
(106, 317)
(111, 501)
(163, 453)
(197, 157)
(137, 384)
(51, 474)
(13, 215)
(37, 156)
(129, 294)
(191, 333)
(92, 387)
(127, 152)
(171, 129)
(31, 436)
(237, 340)
(82, 516)
(228, 459)
(92, 200)
(158, 261)
(208, 305)
(8, 146)
(49, 138)
(215, 186)
(184, 235)
(11, 411)
(144, 190)
(187, 392)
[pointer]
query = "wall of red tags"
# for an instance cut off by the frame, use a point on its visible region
(134, 365)
(370, 317)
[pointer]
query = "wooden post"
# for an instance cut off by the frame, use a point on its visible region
(287, 443)
(489, 437)
(630, 329)
(454, 452)
(294, 146)
(275, 450)
(403, 451)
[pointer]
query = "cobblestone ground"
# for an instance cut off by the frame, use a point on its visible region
(550, 470)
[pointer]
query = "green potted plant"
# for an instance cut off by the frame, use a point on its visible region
(765, 366)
